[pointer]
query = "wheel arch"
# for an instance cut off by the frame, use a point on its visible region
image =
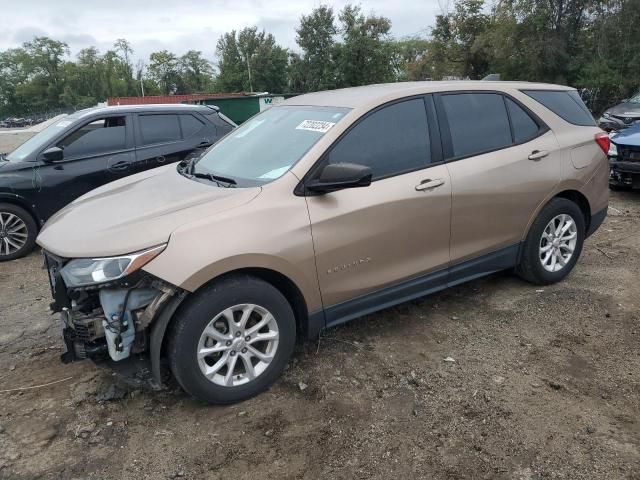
(305, 326)
(571, 194)
(24, 204)
(578, 198)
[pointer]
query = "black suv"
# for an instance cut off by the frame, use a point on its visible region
(87, 149)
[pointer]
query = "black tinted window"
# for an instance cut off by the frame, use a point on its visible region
(566, 104)
(159, 128)
(392, 140)
(100, 136)
(524, 127)
(478, 122)
(190, 125)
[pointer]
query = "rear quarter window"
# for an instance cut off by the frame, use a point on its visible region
(567, 104)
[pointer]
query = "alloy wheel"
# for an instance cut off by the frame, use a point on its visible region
(558, 242)
(238, 345)
(13, 233)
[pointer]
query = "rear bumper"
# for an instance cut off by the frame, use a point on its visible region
(624, 167)
(596, 220)
(626, 174)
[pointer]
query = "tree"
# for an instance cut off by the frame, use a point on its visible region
(315, 68)
(251, 61)
(410, 59)
(364, 56)
(455, 41)
(44, 62)
(125, 67)
(196, 72)
(163, 68)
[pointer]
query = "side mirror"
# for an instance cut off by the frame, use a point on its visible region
(53, 154)
(338, 176)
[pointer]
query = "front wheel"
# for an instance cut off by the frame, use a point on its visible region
(232, 340)
(18, 232)
(554, 243)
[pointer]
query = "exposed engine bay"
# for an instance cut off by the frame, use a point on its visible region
(110, 322)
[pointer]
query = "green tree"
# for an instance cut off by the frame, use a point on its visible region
(315, 68)
(251, 61)
(364, 55)
(455, 41)
(196, 72)
(163, 68)
(410, 59)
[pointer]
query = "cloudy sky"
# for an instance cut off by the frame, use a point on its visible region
(181, 25)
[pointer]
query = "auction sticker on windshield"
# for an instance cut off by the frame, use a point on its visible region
(319, 126)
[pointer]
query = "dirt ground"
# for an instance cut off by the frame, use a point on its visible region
(545, 384)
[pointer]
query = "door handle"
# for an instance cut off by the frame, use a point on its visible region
(120, 165)
(428, 184)
(538, 154)
(204, 144)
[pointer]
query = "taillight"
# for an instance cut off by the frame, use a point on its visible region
(603, 141)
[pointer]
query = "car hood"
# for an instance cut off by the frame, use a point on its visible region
(626, 109)
(135, 213)
(12, 166)
(629, 136)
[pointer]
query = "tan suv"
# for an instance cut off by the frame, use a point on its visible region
(318, 211)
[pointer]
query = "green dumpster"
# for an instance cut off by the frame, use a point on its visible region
(239, 109)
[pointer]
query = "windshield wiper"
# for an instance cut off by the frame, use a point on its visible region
(218, 179)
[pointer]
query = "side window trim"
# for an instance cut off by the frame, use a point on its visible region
(435, 137)
(443, 122)
(513, 133)
(128, 137)
(315, 169)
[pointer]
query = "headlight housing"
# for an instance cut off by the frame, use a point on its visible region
(82, 272)
(606, 115)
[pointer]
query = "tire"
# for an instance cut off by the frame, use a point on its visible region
(233, 297)
(532, 264)
(18, 232)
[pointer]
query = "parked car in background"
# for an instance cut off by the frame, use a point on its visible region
(624, 158)
(325, 208)
(622, 115)
(88, 149)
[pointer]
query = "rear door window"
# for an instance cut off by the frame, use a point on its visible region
(567, 104)
(392, 140)
(524, 127)
(478, 122)
(159, 128)
(104, 135)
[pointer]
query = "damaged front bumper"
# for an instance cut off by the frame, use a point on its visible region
(119, 324)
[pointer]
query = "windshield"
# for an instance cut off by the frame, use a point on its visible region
(268, 145)
(635, 98)
(39, 140)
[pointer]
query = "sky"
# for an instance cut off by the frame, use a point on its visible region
(181, 25)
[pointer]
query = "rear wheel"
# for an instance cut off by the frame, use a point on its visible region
(232, 341)
(554, 243)
(18, 232)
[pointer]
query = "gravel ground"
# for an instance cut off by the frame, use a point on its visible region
(545, 384)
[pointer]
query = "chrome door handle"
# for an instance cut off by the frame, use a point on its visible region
(428, 184)
(538, 154)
